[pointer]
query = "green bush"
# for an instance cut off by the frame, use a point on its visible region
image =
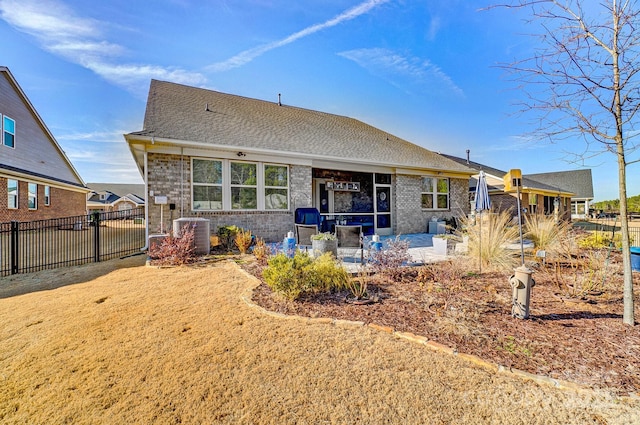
(294, 277)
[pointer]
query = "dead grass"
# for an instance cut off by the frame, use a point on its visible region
(120, 343)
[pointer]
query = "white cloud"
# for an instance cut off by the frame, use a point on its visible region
(407, 73)
(250, 54)
(80, 40)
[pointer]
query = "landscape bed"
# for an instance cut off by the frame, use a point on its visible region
(580, 339)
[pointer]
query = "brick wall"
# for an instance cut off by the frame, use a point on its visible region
(170, 176)
(63, 203)
(411, 218)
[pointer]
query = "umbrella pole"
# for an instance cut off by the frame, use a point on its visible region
(480, 246)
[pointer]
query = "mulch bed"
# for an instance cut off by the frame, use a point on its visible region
(579, 339)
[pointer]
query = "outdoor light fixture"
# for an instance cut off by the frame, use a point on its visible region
(241, 154)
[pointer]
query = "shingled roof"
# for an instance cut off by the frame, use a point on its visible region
(580, 182)
(189, 114)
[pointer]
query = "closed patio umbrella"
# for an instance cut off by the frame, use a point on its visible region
(482, 203)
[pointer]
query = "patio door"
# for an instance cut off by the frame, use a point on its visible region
(383, 204)
(323, 197)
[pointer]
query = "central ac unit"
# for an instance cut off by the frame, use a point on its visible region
(201, 240)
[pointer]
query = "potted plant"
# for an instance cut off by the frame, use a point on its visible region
(444, 244)
(324, 242)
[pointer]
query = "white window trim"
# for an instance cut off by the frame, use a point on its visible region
(435, 194)
(35, 197)
(265, 187)
(2, 117)
(17, 195)
(226, 185)
(47, 196)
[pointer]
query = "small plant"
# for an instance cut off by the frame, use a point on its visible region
(326, 236)
(262, 251)
(358, 285)
(243, 240)
(294, 277)
(175, 250)
(227, 235)
(388, 262)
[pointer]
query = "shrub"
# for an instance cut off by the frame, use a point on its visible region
(601, 240)
(175, 250)
(262, 251)
(388, 262)
(243, 240)
(294, 277)
(227, 236)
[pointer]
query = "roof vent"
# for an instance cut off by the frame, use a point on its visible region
(206, 108)
(279, 101)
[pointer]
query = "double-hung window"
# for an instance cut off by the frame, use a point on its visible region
(32, 189)
(12, 190)
(276, 187)
(227, 185)
(47, 195)
(244, 186)
(207, 184)
(435, 193)
(8, 132)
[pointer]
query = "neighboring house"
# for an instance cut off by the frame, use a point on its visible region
(580, 182)
(236, 160)
(106, 197)
(37, 180)
(565, 193)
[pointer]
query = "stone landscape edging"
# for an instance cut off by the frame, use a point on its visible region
(421, 340)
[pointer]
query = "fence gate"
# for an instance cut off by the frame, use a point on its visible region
(30, 246)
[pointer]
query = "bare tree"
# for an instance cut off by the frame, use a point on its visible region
(582, 83)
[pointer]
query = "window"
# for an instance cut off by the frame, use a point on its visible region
(32, 189)
(533, 202)
(207, 184)
(47, 195)
(8, 132)
(12, 190)
(276, 187)
(244, 186)
(220, 184)
(435, 193)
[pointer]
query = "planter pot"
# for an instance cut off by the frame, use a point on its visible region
(319, 247)
(443, 246)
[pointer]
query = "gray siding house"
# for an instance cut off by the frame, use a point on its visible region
(253, 163)
(37, 180)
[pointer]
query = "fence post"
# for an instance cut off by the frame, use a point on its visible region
(96, 236)
(15, 227)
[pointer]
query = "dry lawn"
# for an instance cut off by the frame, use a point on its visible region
(119, 342)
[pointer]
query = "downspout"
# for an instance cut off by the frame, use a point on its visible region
(181, 182)
(147, 201)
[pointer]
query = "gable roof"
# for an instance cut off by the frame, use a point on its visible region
(579, 182)
(565, 182)
(119, 189)
(70, 177)
(181, 114)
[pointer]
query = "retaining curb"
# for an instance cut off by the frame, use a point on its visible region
(432, 345)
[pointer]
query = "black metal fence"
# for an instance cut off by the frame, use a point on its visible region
(46, 244)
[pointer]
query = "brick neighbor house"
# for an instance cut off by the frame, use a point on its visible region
(252, 163)
(37, 180)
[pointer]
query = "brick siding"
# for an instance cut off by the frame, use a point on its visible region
(63, 203)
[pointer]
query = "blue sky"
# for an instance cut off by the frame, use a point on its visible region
(425, 71)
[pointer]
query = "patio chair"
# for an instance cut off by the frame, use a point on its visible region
(349, 237)
(304, 233)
